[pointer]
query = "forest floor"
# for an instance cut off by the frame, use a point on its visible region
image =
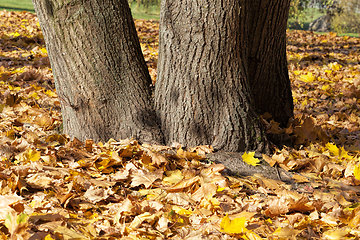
(53, 188)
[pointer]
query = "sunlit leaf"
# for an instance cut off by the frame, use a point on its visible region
(335, 66)
(357, 172)
(309, 77)
(334, 150)
(182, 211)
(250, 159)
(33, 155)
(236, 225)
(173, 177)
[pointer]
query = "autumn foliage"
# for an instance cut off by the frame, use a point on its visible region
(54, 188)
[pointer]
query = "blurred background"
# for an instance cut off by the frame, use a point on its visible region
(340, 16)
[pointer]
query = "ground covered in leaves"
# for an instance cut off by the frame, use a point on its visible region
(53, 188)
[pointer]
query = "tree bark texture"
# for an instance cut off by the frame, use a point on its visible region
(100, 73)
(267, 64)
(201, 94)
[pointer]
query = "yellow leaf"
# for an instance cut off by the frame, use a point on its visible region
(328, 71)
(309, 77)
(325, 87)
(236, 225)
(14, 88)
(37, 88)
(335, 66)
(48, 237)
(34, 95)
(50, 93)
(14, 34)
(220, 189)
(357, 172)
(173, 177)
(250, 159)
(182, 211)
(32, 155)
(334, 150)
(43, 50)
(22, 218)
(344, 154)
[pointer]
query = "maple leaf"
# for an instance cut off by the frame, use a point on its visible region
(173, 177)
(250, 159)
(144, 177)
(94, 194)
(184, 184)
(39, 180)
(309, 77)
(333, 149)
(207, 190)
(236, 225)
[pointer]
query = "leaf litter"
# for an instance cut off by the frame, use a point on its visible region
(54, 188)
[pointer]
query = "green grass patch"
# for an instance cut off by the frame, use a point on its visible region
(139, 12)
(17, 5)
(304, 20)
(341, 34)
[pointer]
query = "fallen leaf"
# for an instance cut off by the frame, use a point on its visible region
(144, 177)
(236, 225)
(250, 159)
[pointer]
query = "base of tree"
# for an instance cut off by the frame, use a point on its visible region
(234, 165)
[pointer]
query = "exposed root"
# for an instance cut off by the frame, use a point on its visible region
(236, 166)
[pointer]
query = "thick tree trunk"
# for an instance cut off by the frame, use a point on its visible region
(267, 64)
(100, 73)
(201, 91)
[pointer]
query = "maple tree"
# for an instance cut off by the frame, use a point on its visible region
(52, 187)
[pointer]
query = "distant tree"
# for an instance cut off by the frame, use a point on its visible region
(209, 87)
(297, 8)
(346, 17)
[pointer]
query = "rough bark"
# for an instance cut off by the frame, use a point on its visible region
(201, 92)
(100, 73)
(267, 64)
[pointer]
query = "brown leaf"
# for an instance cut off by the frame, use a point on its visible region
(277, 206)
(96, 194)
(185, 183)
(39, 181)
(140, 177)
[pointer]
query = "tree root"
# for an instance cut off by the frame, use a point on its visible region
(234, 165)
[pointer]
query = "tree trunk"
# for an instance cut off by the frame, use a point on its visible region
(201, 93)
(100, 73)
(267, 63)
